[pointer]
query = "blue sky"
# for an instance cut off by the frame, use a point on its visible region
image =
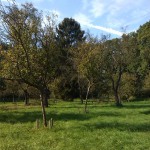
(99, 16)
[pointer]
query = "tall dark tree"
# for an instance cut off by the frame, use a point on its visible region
(69, 34)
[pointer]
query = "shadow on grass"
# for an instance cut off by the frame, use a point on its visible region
(15, 117)
(22, 117)
(66, 107)
(146, 112)
(25, 117)
(136, 106)
(120, 126)
(107, 114)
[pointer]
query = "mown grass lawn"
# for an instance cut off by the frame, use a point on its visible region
(105, 127)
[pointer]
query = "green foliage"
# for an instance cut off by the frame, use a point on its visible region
(69, 32)
(33, 52)
(69, 35)
(143, 35)
(128, 86)
(144, 38)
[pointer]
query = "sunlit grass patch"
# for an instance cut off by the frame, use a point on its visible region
(104, 127)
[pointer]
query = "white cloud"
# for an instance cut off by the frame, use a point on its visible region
(4, 0)
(126, 12)
(98, 8)
(109, 30)
(117, 13)
(136, 17)
(85, 21)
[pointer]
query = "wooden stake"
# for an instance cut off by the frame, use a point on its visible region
(50, 123)
(37, 123)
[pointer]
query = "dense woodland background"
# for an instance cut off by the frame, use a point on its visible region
(42, 59)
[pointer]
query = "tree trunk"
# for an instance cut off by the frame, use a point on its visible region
(45, 95)
(45, 100)
(81, 98)
(26, 102)
(117, 99)
(43, 111)
(115, 88)
(86, 99)
(13, 98)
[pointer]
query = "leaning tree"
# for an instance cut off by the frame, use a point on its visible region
(32, 55)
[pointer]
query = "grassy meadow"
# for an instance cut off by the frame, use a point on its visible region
(104, 127)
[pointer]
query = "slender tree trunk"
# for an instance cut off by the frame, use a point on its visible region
(43, 110)
(26, 97)
(86, 99)
(46, 94)
(45, 100)
(116, 87)
(117, 99)
(13, 97)
(81, 98)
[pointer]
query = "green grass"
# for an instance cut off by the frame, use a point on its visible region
(105, 127)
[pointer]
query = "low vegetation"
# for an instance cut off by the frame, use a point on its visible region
(103, 127)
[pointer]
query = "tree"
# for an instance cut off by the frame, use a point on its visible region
(2, 86)
(143, 37)
(69, 34)
(89, 61)
(2, 81)
(142, 71)
(120, 54)
(33, 53)
(114, 64)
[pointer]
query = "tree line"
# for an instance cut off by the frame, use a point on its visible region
(39, 57)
